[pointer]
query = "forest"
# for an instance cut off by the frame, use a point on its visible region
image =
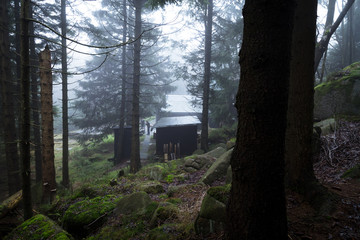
(179, 119)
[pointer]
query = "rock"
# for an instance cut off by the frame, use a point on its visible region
(133, 203)
(152, 187)
(340, 94)
(217, 152)
(38, 227)
(165, 211)
(198, 162)
(212, 215)
(228, 175)
(163, 232)
(79, 216)
(326, 126)
(230, 144)
(218, 169)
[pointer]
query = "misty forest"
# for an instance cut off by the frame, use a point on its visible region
(179, 119)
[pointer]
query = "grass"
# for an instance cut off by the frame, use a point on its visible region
(87, 163)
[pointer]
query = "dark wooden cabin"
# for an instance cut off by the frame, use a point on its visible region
(176, 136)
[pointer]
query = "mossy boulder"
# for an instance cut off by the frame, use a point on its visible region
(217, 152)
(38, 227)
(212, 215)
(152, 187)
(340, 94)
(134, 203)
(326, 126)
(164, 232)
(198, 162)
(93, 211)
(165, 212)
(218, 169)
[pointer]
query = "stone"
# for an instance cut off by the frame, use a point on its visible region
(218, 169)
(134, 203)
(152, 187)
(93, 211)
(216, 153)
(164, 212)
(39, 227)
(198, 162)
(212, 215)
(339, 95)
(326, 126)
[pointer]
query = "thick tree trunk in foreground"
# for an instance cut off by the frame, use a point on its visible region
(25, 109)
(257, 206)
(48, 167)
(7, 91)
(299, 159)
(207, 76)
(135, 163)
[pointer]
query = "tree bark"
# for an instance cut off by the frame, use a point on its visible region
(321, 46)
(299, 158)
(35, 102)
(7, 91)
(65, 123)
(25, 109)
(123, 88)
(48, 168)
(207, 77)
(257, 206)
(135, 163)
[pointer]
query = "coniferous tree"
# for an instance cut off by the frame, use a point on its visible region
(65, 125)
(25, 109)
(7, 91)
(207, 77)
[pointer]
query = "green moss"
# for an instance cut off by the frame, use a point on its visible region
(86, 191)
(352, 173)
(174, 200)
(220, 193)
(87, 211)
(38, 227)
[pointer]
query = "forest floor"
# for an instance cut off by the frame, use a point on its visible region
(340, 152)
(337, 169)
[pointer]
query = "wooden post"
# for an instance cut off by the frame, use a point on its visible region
(48, 167)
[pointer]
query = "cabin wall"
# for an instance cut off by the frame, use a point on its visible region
(185, 135)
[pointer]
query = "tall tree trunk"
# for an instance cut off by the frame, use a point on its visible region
(207, 76)
(48, 167)
(17, 49)
(65, 124)
(35, 102)
(299, 159)
(135, 163)
(350, 36)
(25, 109)
(7, 91)
(257, 206)
(328, 23)
(123, 87)
(321, 46)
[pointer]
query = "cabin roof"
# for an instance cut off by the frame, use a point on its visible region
(180, 104)
(177, 121)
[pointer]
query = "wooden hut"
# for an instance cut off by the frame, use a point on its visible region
(176, 136)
